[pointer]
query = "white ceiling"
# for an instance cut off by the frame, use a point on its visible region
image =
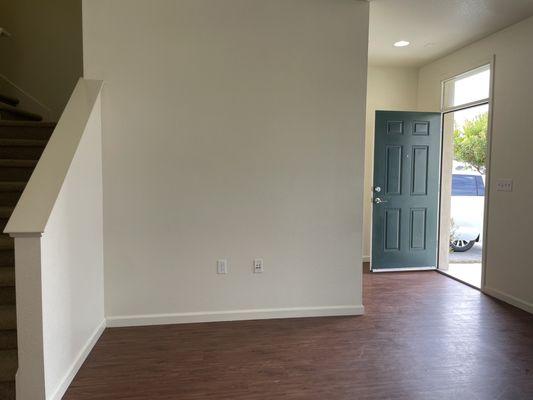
(435, 27)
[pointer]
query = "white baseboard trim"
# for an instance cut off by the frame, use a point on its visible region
(366, 258)
(76, 365)
(514, 301)
(233, 315)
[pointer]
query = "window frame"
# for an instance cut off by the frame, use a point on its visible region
(447, 109)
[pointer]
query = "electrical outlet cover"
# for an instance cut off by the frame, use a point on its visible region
(222, 266)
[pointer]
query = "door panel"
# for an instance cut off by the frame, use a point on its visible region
(393, 183)
(406, 182)
(420, 170)
(418, 229)
(392, 229)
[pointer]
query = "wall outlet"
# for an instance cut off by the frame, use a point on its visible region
(504, 185)
(258, 266)
(222, 266)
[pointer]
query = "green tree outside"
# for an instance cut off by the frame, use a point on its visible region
(470, 142)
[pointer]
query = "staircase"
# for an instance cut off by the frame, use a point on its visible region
(22, 140)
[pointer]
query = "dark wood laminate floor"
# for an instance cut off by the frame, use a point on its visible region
(424, 336)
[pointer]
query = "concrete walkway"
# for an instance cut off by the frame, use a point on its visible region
(471, 256)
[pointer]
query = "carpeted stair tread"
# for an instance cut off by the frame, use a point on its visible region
(9, 199)
(7, 295)
(16, 170)
(27, 124)
(18, 163)
(8, 317)
(13, 142)
(21, 149)
(8, 340)
(7, 258)
(12, 186)
(12, 101)
(8, 112)
(5, 212)
(26, 129)
(8, 365)
(6, 242)
(7, 276)
(7, 390)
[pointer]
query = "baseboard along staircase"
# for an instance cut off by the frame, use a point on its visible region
(23, 137)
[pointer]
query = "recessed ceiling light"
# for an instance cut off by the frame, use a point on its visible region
(402, 43)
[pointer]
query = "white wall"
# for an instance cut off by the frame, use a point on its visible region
(509, 272)
(232, 129)
(43, 58)
(389, 88)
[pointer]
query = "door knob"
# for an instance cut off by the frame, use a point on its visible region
(377, 200)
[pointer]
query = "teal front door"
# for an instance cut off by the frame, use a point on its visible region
(406, 190)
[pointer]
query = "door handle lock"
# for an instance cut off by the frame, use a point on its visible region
(377, 200)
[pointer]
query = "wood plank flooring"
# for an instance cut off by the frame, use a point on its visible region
(424, 336)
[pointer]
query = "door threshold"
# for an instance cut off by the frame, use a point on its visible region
(403, 269)
(440, 271)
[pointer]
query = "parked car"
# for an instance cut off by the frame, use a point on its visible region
(467, 206)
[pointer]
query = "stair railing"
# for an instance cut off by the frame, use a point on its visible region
(5, 33)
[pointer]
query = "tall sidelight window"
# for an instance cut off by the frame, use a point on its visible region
(465, 104)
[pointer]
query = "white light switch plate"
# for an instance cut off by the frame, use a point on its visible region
(258, 266)
(504, 185)
(222, 266)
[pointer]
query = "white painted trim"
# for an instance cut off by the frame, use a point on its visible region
(232, 315)
(404, 269)
(78, 362)
(366, 258)
(466, 106)
(30, 377)
(488, 175)
(22, 235)
(512, 300)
